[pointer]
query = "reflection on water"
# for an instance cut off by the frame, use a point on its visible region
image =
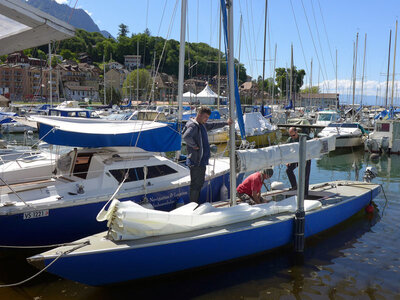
(360, 258)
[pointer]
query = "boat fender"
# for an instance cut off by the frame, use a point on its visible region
(277, 185)
(223, 193)
(369, 209)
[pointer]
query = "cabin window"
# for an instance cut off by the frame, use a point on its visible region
(136, 174)
(384, 127)
(82, 164)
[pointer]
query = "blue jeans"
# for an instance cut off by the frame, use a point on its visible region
(197, 176)
(292, 177)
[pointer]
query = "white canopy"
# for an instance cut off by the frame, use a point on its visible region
(207, 96)
(23, 26)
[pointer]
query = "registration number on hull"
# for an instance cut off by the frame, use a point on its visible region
(36, 214)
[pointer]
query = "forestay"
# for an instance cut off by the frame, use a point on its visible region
(128, 220)
(262, 158)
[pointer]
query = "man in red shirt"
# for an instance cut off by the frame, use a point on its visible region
(252, 185)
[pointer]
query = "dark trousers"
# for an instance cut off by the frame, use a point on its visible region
(292, 177)
(197, 175)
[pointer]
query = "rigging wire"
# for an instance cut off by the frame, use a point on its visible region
(327, 37)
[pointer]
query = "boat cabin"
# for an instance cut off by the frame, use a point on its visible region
(324, 118)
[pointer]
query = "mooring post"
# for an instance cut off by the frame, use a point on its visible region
(300, 215)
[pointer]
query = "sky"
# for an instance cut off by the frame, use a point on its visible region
(317, 29)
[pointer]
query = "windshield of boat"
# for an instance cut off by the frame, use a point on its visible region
(325, 117)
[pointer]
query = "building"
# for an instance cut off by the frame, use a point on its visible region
(132, 62)
(248, 92)
(115, 78)
(115, 65)
(323, 100)
(165, 87)
(80, 93)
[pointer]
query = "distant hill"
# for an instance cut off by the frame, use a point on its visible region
(76, 17)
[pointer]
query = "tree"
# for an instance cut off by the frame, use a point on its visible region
(67, 54)
(283, 79)
(123, 30)
(313, 90)
(116, 95)
(147, 32)
(130, 87)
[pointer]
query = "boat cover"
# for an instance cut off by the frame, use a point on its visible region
(87, 132)
(128, 220)
(256, 159)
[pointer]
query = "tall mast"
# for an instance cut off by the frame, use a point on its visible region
(137, 74)
(310, 90)
(50, 77)
(291, 75)
(181, 59)
(219, 57)
(240, 39)
(387, 75)
(362, 78)
(181, 66)
(337, 104)
(265, 41)
(273, 78)
(394, 64)
(104, 75)
(354, 74)
(231, 65)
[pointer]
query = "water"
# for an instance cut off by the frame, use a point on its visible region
(359, 259)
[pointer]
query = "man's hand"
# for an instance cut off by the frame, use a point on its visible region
(229, 121)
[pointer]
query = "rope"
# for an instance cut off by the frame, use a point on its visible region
(48, 266)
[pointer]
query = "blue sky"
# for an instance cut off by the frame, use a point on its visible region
(316, 28)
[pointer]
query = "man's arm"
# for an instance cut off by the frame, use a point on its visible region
(211, 126)
(188, 137)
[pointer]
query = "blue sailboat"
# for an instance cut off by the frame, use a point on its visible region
(141, 243)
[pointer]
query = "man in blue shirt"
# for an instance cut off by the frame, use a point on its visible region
(198, 148)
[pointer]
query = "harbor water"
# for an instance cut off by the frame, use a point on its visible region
(358, 259)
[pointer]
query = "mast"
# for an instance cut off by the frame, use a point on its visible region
(387, 76)
(291, 76)
(231, 65)
(137, 74)
(104, 75)
(265, 41)
(362, 78)
(240, 39)
(273, 78)
(310, 90)
(337, 104)
(394, 64)
(50, 78)
(219, 57)
(181, 66)
(354, 74)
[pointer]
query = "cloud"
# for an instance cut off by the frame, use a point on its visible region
(370, 87)
(62, 1)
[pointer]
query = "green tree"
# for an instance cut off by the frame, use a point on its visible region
(123, 30)
(67, 54)
(130, 84)
(313, 90)
(114, 99)
(283, 79)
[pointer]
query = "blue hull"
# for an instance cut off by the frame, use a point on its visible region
(71, 223)
(107, 267)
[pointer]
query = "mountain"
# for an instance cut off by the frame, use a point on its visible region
(76, 17)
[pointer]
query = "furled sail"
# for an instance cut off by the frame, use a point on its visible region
(262, 158)
(87, 132)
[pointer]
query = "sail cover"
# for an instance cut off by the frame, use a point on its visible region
(256, 159)
(86, 132)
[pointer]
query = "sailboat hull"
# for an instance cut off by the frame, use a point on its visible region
(73, 221)
(106, 262)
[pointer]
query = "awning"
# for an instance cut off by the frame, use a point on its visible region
(23, 26)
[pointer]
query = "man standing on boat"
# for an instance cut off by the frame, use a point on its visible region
(251, 186)
(198, 148)
(294, 138)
